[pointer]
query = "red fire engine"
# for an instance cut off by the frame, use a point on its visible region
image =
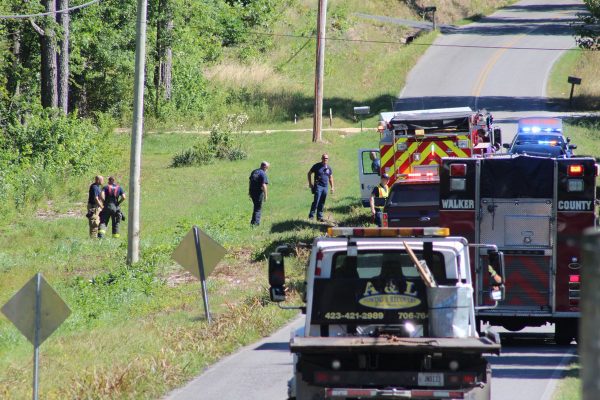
(535, 210)
(412, 144)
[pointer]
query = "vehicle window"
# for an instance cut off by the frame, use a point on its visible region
(386, 264)
(369, 166)
(405, 194)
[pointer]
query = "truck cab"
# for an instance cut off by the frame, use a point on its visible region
(373, 327)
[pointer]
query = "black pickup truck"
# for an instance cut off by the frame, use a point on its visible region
(412, 204)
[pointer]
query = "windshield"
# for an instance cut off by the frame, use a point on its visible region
(414, 194)
(386, 264)
(538, 150)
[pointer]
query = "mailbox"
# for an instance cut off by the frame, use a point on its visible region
(364, 110)
(574, 80)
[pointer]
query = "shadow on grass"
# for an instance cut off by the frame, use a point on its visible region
(294, 225)
(294, 242)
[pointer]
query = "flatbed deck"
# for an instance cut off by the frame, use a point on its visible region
(391, 344)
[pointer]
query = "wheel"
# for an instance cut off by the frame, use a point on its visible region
(513, 326)
(565, 330)
(304, 391)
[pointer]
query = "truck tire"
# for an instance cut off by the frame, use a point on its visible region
(305, 391)
(565, 330)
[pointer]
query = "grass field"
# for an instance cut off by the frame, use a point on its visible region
(137, 332)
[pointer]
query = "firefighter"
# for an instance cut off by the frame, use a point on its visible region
(380, 193)
(323, 177)
(94, 205)
(257, 191)
(375, 163)
(112, 197)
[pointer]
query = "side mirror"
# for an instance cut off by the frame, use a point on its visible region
(497, 136)
(506, 145)
(572, 146)
(497, 275)
(568, 139)
(276, 277)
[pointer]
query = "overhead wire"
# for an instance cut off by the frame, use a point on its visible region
(44, 14)
(420, 44)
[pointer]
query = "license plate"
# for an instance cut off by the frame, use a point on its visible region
(430, 379)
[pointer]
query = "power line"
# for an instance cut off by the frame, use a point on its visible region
(44, 14)
(421, 44)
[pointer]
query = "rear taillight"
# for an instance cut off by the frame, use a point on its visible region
(319, 261)
(458, 169)
(575, 170)
(384, 219)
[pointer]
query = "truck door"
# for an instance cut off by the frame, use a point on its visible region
(368, 174)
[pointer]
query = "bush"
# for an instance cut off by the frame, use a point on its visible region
(46, 149)
(225, 142)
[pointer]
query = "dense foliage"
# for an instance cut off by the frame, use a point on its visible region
(588, 32)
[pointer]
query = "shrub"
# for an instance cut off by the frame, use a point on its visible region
(225, 142)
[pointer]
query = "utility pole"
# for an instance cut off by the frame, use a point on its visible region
(319, 70)
(589, 323)
(133, 228)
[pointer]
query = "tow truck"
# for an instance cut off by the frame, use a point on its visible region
(535, 210)
(376, 329)
(412, 144)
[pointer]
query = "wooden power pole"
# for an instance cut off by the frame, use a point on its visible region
(319, 71)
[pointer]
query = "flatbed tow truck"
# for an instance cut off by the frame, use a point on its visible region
(389, 314)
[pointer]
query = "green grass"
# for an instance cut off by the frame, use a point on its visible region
(582, 64)
(137, 332)
(570, 387)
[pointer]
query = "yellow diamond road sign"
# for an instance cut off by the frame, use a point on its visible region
(185, 254)
(20, 309)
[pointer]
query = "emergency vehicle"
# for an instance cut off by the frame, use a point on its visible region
(412, 144)
(535, 210)
(373, 330)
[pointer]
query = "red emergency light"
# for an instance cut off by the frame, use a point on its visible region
(575, 170)
(574, 278)
(458, 169)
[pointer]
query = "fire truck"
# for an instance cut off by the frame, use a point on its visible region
(535, 210)
(412, 144)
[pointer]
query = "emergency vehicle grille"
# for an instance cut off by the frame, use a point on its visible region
(527, 282)
(523, 223)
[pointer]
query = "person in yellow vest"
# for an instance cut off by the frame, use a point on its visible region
(378, 197)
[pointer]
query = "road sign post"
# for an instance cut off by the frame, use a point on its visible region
(201, 273)
(199, 254)
(37, 311)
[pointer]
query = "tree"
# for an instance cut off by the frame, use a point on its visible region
(588, 32)
(164, 52)
(63, 59)
(48, 67)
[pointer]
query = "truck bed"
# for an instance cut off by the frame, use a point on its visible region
(391, 344)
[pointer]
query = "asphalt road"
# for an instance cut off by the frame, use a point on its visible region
(500, 63)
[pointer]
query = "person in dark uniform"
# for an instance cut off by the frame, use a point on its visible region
(323, 177)
(375, 163)
(379, 192)
(94, 205)
(257, 191)
(112, 197)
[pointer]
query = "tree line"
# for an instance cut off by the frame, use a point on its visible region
(83, 60)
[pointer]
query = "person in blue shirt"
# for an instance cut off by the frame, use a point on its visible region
(319, 185)
(257, 191)
(112, 197)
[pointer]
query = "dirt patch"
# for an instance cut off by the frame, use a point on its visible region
(50, 214)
